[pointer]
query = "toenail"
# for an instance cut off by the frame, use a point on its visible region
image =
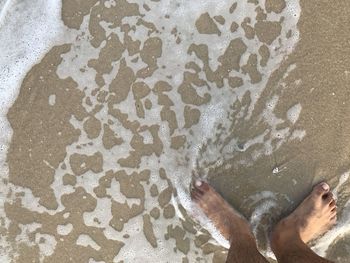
(325, 186)
(198, 183)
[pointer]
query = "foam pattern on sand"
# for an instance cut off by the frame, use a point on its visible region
(143, 95)
(28, 31)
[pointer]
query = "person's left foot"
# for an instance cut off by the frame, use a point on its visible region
(312, 218)
(224, 217)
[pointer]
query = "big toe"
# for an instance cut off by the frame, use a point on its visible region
(320, 189)
(201, 185)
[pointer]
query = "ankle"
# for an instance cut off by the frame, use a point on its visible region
(291, 251)
(242, 238)
(284, 237)
(240, 243)
(241, 231)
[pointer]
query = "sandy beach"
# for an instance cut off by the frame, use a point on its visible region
(136, 98)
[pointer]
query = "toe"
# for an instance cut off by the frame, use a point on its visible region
(201, 185)
(320, 189)
(334, 211)
(195, 196)
(332, 203)
(334, 219)
(333, 215)
(329, 198)
(198, 191)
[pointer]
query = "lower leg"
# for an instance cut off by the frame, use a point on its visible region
(231, 225)
(314, 216)
(244, 251)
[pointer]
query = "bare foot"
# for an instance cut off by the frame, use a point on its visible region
(224, 217)
(312, 218)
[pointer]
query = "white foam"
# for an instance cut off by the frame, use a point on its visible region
(110, 3)
(102, 212)
(114, 192)
(294, 112)
(46, 243)
(342, 179)
(297, 134)
(91, 260)
(52, 99)
(293, 8)
(183, 15)
(85, 241)
(27, 229)
(64, 229)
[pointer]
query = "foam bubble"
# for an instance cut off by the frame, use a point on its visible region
(293, 113)
(64, 229)
(52, 99)
(293, 8)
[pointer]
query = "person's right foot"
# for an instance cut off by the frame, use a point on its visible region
(312, 218)
(230, 224)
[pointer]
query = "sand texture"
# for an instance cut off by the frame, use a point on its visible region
(136, 97)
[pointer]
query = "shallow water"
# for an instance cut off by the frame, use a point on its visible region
(109, 108)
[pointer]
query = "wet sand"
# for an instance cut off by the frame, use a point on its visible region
(92, 197)
(322, 63)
